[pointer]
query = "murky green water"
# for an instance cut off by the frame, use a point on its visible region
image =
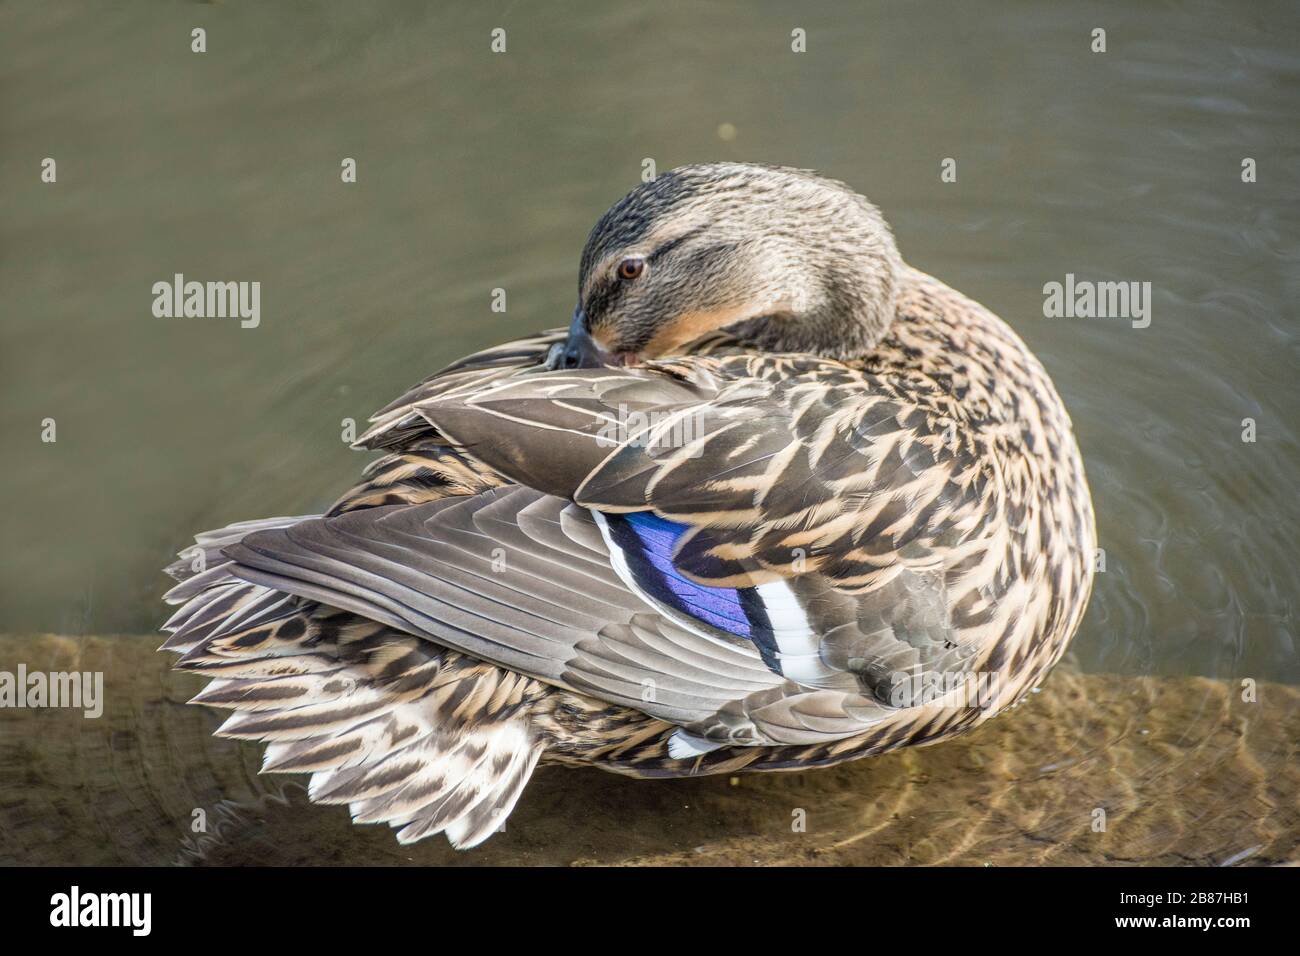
(479, 171)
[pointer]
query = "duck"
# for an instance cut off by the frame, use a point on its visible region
(773, 500)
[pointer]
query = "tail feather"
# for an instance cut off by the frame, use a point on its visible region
(403, 731)
(464, 788)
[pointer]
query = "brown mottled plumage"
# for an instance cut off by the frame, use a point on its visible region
(862, 470)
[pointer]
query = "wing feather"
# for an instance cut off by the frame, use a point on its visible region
(572, 623)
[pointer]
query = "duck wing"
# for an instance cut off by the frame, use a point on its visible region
(516, 577)
(866, 506)
(714, 582)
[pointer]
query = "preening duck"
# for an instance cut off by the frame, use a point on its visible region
(773, 500)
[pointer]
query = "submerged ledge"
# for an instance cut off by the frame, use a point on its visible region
(1186, 772)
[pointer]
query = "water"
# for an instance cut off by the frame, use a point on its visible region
(478, 171)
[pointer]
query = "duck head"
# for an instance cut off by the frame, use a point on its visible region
(783, 259)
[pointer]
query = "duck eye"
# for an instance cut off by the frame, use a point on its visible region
(631, 267)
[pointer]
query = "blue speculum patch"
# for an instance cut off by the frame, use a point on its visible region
(648, 542)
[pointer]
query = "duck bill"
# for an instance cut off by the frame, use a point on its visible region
(580, 349)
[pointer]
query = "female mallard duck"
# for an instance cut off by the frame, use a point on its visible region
(769, 484)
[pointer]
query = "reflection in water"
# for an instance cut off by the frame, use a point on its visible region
(478, 171)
